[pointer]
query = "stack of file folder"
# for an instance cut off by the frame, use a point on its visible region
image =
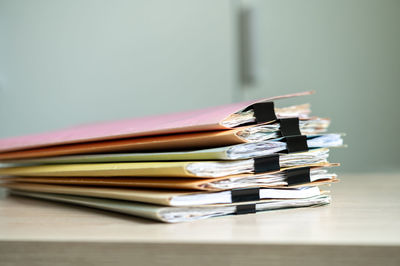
(233, 159)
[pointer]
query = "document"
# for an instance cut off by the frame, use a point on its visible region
(167, 169)
(228, 160)
(175, 142)
(183, 169)
(170, 197)
(179, 214)
(232, 152)
(316, 176)
(209, 119)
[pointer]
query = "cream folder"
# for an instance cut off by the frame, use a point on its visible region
(171, 197)
(179, 214)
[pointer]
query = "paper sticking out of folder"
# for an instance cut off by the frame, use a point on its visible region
(234, 159)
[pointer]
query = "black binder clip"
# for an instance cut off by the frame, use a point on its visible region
(245, 209)
(298, 176)
(266, 164)
(296, 143)
(263, 111)
(245, 194)
(289, 126)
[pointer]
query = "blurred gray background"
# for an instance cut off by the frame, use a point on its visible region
(69, 62)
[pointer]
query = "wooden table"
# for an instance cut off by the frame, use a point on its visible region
(360, 227)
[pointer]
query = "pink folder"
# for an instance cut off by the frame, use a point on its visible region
(193, 121)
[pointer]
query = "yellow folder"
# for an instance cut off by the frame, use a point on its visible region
(136, 169)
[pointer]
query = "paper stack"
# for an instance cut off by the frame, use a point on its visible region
(233, 159)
